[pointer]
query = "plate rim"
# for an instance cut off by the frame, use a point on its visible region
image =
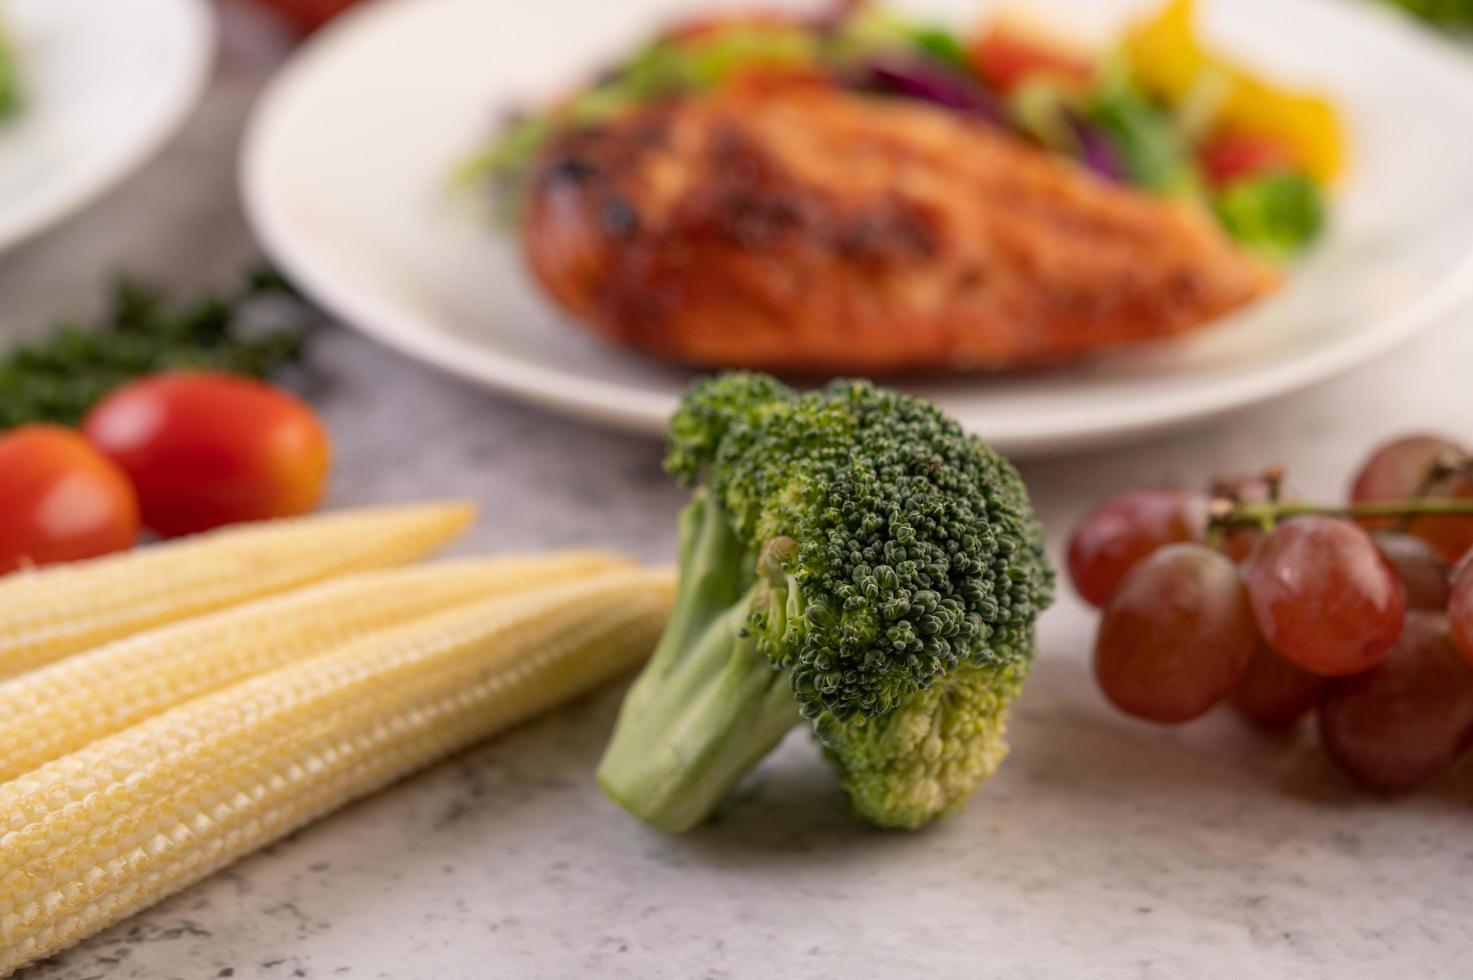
(638, 410)
(96, 179)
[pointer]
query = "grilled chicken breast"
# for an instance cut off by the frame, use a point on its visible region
(812, 230)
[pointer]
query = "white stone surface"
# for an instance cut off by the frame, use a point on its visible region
(1105, 848)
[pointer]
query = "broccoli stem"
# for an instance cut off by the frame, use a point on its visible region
(709, 704)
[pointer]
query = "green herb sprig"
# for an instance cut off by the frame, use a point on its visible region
(58, 377)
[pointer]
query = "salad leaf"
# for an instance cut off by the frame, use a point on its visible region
(665, 67)
(927, 80)
(1041, 108)
(869, 33)
(1275, 214)
(1152, 148)
(10, 86)
(1097, 151)
(712, 59)
(1444, 13)
(1051, 114)
(940, 44)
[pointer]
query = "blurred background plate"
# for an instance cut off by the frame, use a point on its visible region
(346, 178)
(104, 83)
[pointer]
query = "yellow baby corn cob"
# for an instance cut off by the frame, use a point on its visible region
(96, 835)
(55, 611)
(61, 707)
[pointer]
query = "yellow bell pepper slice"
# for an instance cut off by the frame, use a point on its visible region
(1170, 60)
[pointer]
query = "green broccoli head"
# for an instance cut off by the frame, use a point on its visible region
(881, 566)
(915, 548)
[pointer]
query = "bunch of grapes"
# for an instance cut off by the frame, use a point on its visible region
(1362, 613)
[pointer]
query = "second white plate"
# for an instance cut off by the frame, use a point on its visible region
(104, 84)
(345, 175)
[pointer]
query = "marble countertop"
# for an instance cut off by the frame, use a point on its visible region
(1104, 848)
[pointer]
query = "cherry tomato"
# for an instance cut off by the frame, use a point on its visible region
(1232, 156)
(307, 15)
(1005, 58)
(210, 449)
(60, 499)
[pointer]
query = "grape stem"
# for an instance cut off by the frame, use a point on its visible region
(1227, 513)
(1444, 466)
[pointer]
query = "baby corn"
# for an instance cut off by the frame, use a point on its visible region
(56, 709)
(58, 610)
(105, 831)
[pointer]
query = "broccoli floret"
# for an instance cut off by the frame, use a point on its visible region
(849, 558)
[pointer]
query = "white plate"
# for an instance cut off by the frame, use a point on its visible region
(345, 179)
(104, 84)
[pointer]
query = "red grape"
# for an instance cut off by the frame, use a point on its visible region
(1403, 722)
(1274, 693)
(1397, 470)
(1460, 611)
(1126, 528)
(1323, 596)
(1176, 636)
(1420, 567)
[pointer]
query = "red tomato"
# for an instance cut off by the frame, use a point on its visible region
(307, 15)
(211, 449)
(1231, 156)
(1005, 58)
(60, 499)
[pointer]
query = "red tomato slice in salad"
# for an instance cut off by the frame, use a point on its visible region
(1233, 156)
(1005, 58)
